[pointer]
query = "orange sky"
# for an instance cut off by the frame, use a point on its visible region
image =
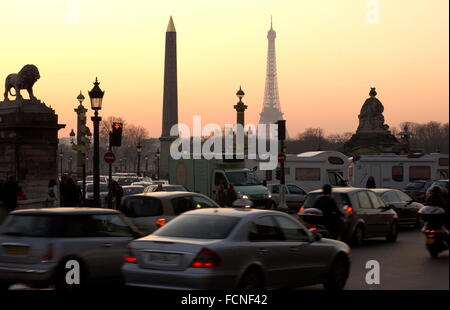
(328, 57)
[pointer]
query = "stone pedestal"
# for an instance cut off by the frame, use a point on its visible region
(28, 145)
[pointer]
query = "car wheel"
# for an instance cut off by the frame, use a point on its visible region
(393, 233)
(338, 275)
(252, 279)
(358, 236)
(61, 273)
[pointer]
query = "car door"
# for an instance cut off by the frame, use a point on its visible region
(275, 192)
(306, 261)
(268, 247)
(383, 216)
(295, 196)
(410, 207)
(367, 213)
(391, 198)
(115, 235)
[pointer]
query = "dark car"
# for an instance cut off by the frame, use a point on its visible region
(365, 215)
(418, 189)
(403, 204)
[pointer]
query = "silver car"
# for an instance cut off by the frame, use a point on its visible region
(149, 211)
(230, 248)
(36, 244)
(295, 195)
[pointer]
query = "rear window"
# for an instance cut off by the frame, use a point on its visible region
(199, 226)
(30, 225)
(141, 207)
(341, 199)
(415, 185)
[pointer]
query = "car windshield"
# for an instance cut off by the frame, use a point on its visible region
(199, 226)
(132, 190)
(243, 178)
(415, 185)
(141, 206)
(32, 225)
(103, 187)
(127, 181)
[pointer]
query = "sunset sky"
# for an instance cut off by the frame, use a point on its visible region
(328, 57)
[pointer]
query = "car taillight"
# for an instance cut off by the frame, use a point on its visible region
(301, 209)
(160, 222)
(48, 256)
(348, 210)
(206, 259)
(313, 227)
(129, 258)
(430, 231)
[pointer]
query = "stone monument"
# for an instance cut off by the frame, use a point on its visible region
(373, 135)
(28, 136)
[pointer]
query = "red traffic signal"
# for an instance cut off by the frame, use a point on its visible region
(116, 134)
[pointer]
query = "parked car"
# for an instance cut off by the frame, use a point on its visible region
(365, 214)
(143, 183)
(36, 244)
(418, 189)
(442, 184)
(128, 180)
(150, 211)
(103, 194)
(405, 206)
(166, 188)
(103, 179)
(132, 189)
(235, 248)
(295, 195)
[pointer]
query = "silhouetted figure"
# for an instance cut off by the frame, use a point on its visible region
(331, 212)
(10, 190)
(117, 192)
(231, 195)
(52, 193)
(63, 190)
(371, 182)
(221, 197)
(72, 196)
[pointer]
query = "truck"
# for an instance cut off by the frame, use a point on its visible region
(309, 170)
(396, 171)
(204, 176)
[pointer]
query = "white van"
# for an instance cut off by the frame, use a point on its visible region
(396, 171)
(310, 170)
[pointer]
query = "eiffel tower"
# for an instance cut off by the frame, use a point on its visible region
(271, 107)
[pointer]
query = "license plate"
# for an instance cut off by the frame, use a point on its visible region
(430, 240)
(16, 250)
(164, 259)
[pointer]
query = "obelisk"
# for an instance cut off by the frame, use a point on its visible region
(170, 99)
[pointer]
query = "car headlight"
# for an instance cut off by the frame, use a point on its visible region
(269, 196)
(241, 196)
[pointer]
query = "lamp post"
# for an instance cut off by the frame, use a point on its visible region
(158, 155)
(70, 165)
(146, 165)
(139, 151)
(96, 96)
(72, 137)
(61, 156)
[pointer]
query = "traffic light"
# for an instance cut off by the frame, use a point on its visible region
(281, 129)
(116, 134)
(278, 173)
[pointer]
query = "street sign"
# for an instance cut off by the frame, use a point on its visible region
(281, 158)
(109, 157)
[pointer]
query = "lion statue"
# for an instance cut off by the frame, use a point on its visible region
(25, 79)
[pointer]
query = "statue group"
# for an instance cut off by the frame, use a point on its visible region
(371, 116)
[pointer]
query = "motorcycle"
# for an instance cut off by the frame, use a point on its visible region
(437, 236)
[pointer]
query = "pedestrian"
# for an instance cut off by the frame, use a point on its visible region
(331, 213)
(371, 182)
(10, 190)
(21, 195)
(221, 197)
(52, 193)
(72, 197)
(63, 191)
(117, 192)
(231, 195)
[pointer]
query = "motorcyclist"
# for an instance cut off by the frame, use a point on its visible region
(331, 212)
(435, 199)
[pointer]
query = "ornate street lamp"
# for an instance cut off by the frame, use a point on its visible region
(158, 155)
(96, 96)
(139, 151)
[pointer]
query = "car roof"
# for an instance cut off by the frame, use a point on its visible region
(66, 211)
(168, 195)
(236, 212)
(343, 190)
